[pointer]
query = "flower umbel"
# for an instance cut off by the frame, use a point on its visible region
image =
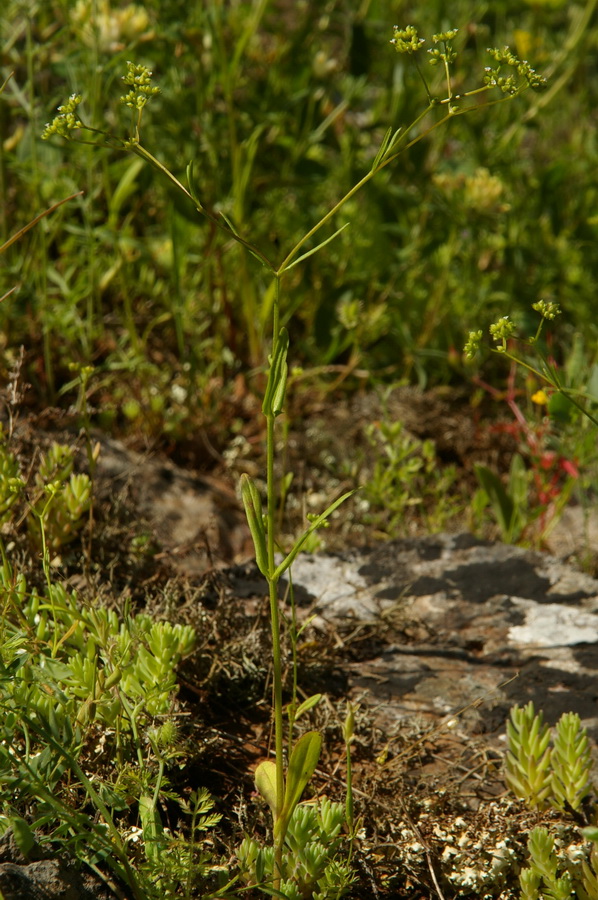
(446, 55)
(473, 344)
(66, 121)
(548, 309)
(501, 331)
(406, 40)
(509, 84)
(140, 79)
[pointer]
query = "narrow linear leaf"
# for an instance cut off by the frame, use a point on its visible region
(229, 223)
(307, 705)
(191, 183)
(305, 625)
(388, 142)
(502, 503)
(394, 139)
(151, 826)
(315, 249)
(383, 148)
(317, 523)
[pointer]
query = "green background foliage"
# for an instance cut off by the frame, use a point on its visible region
(282, 107)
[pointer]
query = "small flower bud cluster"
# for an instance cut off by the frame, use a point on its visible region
(447, 55)
(473, 344)
(548, 309)
(445, 36)
(140, 79)
(501, 331)
(406, 40)
(66, 120)
(509, 84)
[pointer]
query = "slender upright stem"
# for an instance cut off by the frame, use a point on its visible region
(553, 382)
(141, 151)
(274, 611)
(357, 187)
(386, 160)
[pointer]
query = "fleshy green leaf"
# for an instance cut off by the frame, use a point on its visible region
(302, 764)
(23, 835)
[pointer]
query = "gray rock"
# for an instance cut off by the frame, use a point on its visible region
(42, 876)
(480, 626)
(197, 520)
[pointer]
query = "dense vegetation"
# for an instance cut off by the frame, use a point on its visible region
(131, 314)
(282, 108)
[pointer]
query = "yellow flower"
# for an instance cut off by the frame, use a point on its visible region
(540, 397)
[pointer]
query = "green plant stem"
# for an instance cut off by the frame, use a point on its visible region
(177, 304)
(15, 237)
(356, 187)
(577, 32)
(46, 568)
(3, 173)
(447, 72)
(386, 160)
(137, 148)
(278, 720)
(159, 781)
(423, 78)
(552, 382)
(293, 635)
(273, 592)
(132, 716)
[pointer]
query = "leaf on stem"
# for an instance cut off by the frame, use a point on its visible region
(277, 377)
(253, 511)
(192, 188)
(151, 826)
(302, 764)
(315, 249)
(317, 523)
(265, 782)
(388, 142)
(25, 228)
(307, 705)
(502, 502)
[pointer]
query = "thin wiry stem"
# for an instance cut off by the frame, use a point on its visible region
(273, 595)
